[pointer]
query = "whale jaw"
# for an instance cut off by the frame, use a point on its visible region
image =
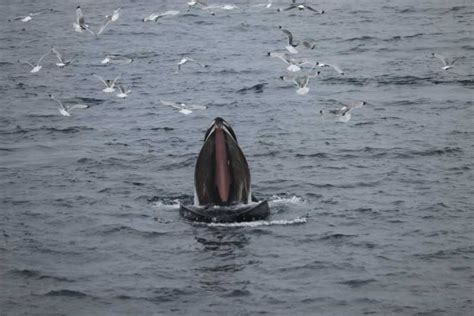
(221, 175)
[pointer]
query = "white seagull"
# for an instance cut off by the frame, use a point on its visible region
(294, 64)
(62, 62)
(29, 17)
(80, 23)
(343, 114)
(291, 47)
(37, 67)
(124, 92)
(300, 6)
(266, 5)
(335, 67)
(109, 84)
(301, 81)
(447, 64)
(116, 59)
(182, 107)
(65, 110)
(185, 60)
(155, 16)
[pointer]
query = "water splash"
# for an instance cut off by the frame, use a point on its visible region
(296, 221)
(275, 199)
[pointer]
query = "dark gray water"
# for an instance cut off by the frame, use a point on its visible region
(372, 216)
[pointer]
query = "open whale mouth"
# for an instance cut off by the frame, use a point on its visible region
(222, 175)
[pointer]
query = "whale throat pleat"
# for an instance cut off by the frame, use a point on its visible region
(222, 175)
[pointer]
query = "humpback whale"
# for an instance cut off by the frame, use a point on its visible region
(222, 180)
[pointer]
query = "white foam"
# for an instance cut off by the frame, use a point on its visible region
(275, 199)
(295, 221)
(171, 205)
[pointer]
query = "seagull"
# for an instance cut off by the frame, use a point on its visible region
(200, 4)
(291, 47)
(184, 60)
(300, 81)
(62, 62)
(266, 5)
(294, 65)
(182, 107)
(124, 92)
(447, 63)
(155, 16)
(116, 59)
(109, 84)
(64, 110)
(300, 6)
(37, 67)
(335, 67)
(80, 23)
(29, 17)
(223, 7)
(109, 19)
(343, 114)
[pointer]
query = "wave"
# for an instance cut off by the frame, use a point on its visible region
(112, 229)
(27, 273)
(357, 282)
(65, 292)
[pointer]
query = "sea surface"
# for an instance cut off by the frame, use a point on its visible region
(371, 216)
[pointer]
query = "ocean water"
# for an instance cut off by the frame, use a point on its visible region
(371, 216)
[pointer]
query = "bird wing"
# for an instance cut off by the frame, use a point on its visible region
(60, 57)
(115, 80)
(290, 7)
(336, 68)
(79, 16)
(77, 106)
(441, 57)
(172, 104)
(42, 57)
(53, 98)
(102, 28)
(290, 36)
(101, 79)
(356, 104)
(455, 59)
(302, 81)
(311, 9)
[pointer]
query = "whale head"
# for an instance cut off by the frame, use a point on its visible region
(221, 175)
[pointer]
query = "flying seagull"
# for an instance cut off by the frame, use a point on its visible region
(291, 47)
(62, 62)
(116, 59)
(80, 23)
(29, 17)
(343, 114)
(155, 16)
(65, 110)
(182, 107)
(300, 6)
(109, 84)
(301, 81)
(124, 92)
(37, 67)
(335, 67)
(447, 64)
(185, 60)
